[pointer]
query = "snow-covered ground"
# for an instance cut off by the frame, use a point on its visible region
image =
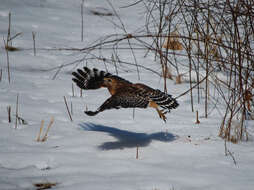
(100, 152)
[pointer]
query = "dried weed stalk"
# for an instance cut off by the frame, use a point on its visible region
(214, 38)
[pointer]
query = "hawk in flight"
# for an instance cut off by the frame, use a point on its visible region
(124, 94)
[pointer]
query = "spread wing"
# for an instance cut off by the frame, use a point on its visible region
(91, 79)
(129, 98)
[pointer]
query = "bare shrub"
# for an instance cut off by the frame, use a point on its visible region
(216, 37)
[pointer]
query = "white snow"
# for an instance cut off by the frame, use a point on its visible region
(100, 152)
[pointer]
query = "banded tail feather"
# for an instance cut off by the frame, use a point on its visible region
(89, 79)
(164, 100)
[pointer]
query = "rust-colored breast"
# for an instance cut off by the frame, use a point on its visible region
(111, 90)
(117, 86)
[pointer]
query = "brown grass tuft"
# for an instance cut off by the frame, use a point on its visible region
(172, 42)
(179, 79)
(46, 185)
(11, 48)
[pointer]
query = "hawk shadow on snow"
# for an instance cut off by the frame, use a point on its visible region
(127, 139)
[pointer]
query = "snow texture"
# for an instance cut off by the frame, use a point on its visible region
(99, 152)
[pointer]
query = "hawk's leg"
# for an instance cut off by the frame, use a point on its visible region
(110, 103)
(161, 114)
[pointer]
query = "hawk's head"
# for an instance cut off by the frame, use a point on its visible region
(109, 81)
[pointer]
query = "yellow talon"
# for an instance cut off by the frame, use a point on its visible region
(161, 115)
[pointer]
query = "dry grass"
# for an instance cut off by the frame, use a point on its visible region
(197, 120)
(45, 137)
(41, 128)
(172, 42)
(102, 12)
(46, 185)
(214, 36)
(179, 79)
(11, 48)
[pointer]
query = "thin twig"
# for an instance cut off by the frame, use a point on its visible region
(67, 108)
(187, 91)
(1, 74)
(15, 36)
(16, 121)
(33, 34)
(82, 20)
(9, 113)
(81, 92)
(71, 108)
(41, 128)
(227, 152)
(8, 62)
(137, 156)
(72, 88)
(128, 37)
(9, 30)
(49, 126)
(59, 68)
(197, 120)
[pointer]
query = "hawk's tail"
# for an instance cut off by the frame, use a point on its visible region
(89, 79)
(165, 101)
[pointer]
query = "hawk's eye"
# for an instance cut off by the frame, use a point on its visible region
(108, 80)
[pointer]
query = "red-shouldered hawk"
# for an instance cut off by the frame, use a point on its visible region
(124, 94)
